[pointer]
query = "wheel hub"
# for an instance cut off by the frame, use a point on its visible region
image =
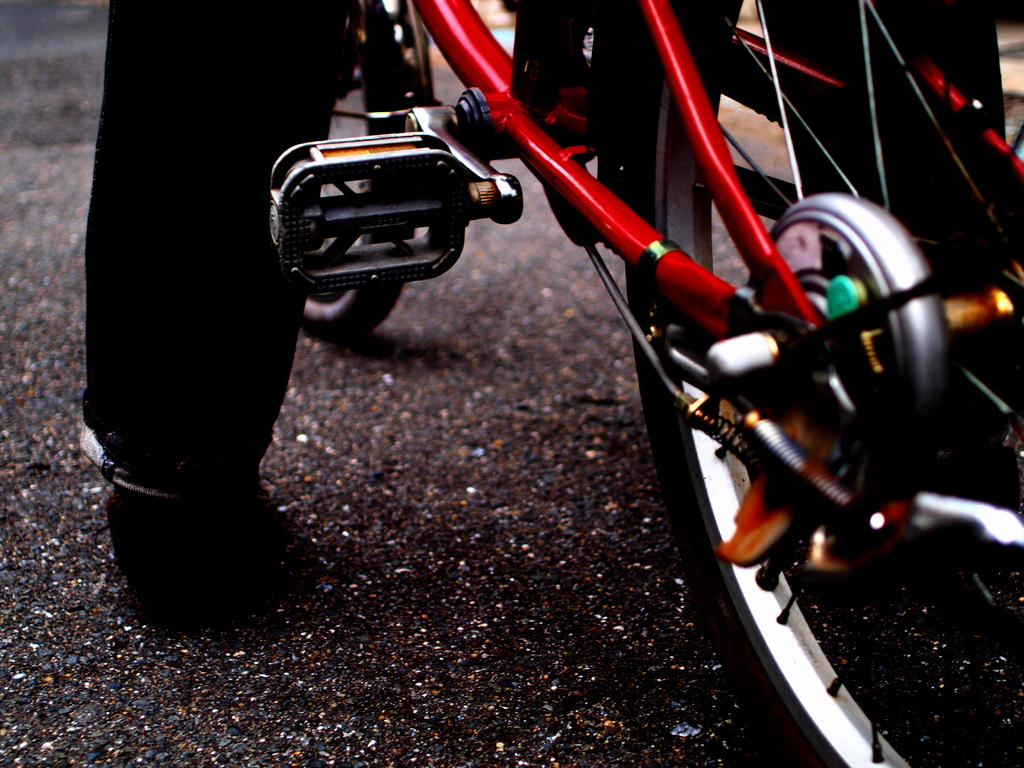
(847, 252)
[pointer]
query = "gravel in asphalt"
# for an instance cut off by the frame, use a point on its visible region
(479, 572)
(479, 569)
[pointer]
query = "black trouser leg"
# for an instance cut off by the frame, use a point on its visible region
(190, 325)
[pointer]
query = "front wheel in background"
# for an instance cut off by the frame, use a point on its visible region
(390, 48)
(346, 317)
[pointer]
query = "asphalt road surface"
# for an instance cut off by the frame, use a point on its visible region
(480, 572)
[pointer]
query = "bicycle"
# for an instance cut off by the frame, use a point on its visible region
(780, 398)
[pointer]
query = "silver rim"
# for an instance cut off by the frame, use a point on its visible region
(790, 655)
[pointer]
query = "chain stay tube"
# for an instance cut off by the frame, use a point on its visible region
(480, 61)
(779, 287)
(704, 298)
(937, 84)
(787, 59)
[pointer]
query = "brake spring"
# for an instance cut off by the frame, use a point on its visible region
(723, 430)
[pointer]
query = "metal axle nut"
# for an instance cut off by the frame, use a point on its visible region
(969, 313)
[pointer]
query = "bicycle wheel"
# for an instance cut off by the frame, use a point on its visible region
(388, 42)
(772, 649)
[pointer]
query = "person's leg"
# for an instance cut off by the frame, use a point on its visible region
(190, 324)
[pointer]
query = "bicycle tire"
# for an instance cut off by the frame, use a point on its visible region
(391, 48)
(347, 316)
(779, 669)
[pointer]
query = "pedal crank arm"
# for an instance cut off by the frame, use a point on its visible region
(444, 123)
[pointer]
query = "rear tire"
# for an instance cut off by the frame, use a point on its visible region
(778, 667)
(348, 316)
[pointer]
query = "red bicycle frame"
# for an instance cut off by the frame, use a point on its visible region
(480, 61)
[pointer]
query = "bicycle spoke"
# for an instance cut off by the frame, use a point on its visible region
(1016, 422)
(797, 180)
(796, 113)
(954, 155)
(753, 164)
(873, 103)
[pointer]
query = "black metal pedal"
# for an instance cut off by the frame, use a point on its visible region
(348, 212)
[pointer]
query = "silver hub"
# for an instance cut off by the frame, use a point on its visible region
(848, 252)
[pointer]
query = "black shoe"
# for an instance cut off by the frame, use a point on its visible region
(197, 560)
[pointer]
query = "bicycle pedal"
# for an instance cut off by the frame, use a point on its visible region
(349, 212)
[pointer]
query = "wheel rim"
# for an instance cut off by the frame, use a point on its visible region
(835, 725)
